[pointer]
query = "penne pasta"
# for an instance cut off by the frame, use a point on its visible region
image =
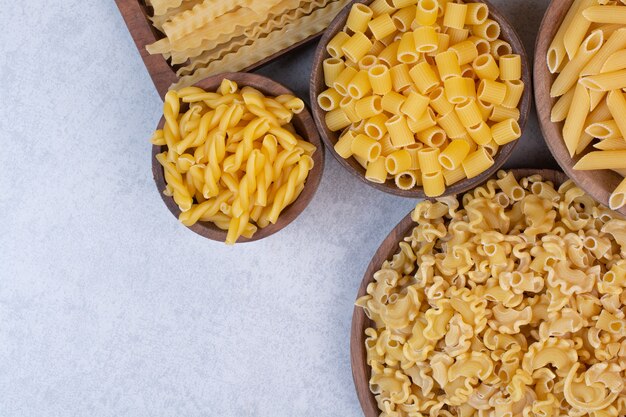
(602, 160)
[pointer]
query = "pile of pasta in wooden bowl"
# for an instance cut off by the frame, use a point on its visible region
(508, 301)
(580, 79)
(236, 157)
(421, 97)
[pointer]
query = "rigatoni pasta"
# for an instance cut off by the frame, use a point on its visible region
(233, 158)
(507, 301)
(449, 89)
(589, 86)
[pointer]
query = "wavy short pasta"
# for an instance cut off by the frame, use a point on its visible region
(507, 301)
(241, 164)
(443, 77)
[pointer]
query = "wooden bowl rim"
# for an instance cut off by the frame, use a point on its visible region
(317, 85)
(304, 125)
(598, 184)
(360, 321)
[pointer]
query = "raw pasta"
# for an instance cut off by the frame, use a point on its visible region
(422, 72)
(508, 301)
(207, 35)
(233, 157)
(589, 86)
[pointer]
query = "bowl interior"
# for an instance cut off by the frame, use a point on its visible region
(303, 124)
(330, 138)
(598, 184)
(360, 370)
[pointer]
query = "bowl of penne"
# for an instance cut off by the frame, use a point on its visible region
(580, 77)
(448, 319)
(421, 98)
(236, 157)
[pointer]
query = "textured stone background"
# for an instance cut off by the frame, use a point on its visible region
(108, 307)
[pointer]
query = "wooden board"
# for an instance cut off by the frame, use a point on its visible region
(305, 127)
(598, 184)
(135, 14)
(330, 138)
(360, 370)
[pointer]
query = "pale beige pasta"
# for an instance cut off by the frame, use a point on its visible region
(568, 77)
(617, 199)
(605, 14)
(616, 103)
(602, 160)
(607, 81)
(575, 121)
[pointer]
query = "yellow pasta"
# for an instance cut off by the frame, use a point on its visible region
(477, 162)
(335, 44)
(605, 14)
(433, 76)
(574, 123)
(602, 160)
(425, 39)
(510, 67)
(382, 26)
(568, 77)
(359, 18)
(398, 161)
(376, 171)
(617, 106)
(454, 154)
(365, 147)
(606, 81)
(614, 43)
(225, 184)
(433, 183)
(615, 62)
(607, 129)
(618, 197)
(612, 144)
(542, 336)
(455, 15)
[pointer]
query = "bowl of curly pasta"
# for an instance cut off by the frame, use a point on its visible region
(236, 157)
(580, 79)
(508, 300)
(421, 98)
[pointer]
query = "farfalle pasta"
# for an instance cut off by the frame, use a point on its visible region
(507, 302)
(233, 158)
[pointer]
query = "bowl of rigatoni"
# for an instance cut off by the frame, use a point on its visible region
(421, 98)
(579, 79)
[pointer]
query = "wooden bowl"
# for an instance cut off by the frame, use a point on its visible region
(360, 370)
(598, 184)
(330, 138)
(135, 14)
(304, 126)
